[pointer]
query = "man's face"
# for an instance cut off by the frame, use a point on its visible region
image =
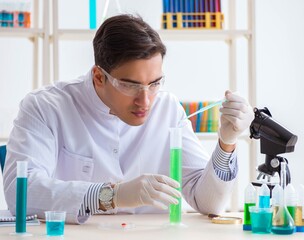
(133, 110)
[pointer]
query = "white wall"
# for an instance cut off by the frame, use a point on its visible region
(201, 66)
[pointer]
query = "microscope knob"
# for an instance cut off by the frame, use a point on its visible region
(274, 163)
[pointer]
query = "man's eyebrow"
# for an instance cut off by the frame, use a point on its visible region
(136, 82)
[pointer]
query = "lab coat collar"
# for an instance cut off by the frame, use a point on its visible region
(93, 95)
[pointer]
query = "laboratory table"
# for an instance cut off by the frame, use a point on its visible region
(146, 227)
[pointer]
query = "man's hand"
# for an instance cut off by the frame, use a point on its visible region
(149, 189)
(236, 116)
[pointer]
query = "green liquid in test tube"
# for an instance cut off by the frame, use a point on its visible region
(176, 170)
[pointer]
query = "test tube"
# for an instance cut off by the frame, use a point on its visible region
(21, 197)
(176, 170)
(250, 199)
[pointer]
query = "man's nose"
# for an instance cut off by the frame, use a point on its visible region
(143, 98)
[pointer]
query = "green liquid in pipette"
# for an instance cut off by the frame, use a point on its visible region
(176, 174)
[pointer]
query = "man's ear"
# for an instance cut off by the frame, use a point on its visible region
(98, 77)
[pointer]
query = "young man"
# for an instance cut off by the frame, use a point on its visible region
(100, 143)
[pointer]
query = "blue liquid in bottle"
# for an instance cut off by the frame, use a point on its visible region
(264, 196)
(264, 201)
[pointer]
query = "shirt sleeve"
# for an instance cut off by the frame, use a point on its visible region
(90, 204)
(224, 164)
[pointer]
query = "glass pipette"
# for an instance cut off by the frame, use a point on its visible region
(207, 107)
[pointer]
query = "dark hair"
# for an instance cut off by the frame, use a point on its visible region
(123, 38)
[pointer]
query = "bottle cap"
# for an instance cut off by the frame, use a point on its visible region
(299, 228)
(264, 190)
(277, 195)
(301, 195)
(247, 227)
(291, 197)
(250, 194)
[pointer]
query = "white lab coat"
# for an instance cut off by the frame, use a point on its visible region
(70, 140)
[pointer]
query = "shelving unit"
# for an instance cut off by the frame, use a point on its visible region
(33, 34)
(230, 35)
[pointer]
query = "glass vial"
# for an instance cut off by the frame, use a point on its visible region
(291, 200)
(264, 196)
(250, 200)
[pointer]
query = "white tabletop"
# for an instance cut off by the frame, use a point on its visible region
(146, 227)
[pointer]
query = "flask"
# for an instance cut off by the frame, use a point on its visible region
(250, 199)
(282, 222)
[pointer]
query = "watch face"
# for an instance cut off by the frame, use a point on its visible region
(106, 194)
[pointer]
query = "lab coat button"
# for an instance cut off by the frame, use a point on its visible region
(115, 150)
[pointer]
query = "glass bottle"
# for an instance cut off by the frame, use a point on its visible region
(264, 196)
(250, 199)
(291, 200)
(299, 215)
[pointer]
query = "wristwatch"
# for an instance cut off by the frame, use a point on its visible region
(106, 196)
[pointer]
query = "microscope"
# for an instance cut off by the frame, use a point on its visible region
(274, 139)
